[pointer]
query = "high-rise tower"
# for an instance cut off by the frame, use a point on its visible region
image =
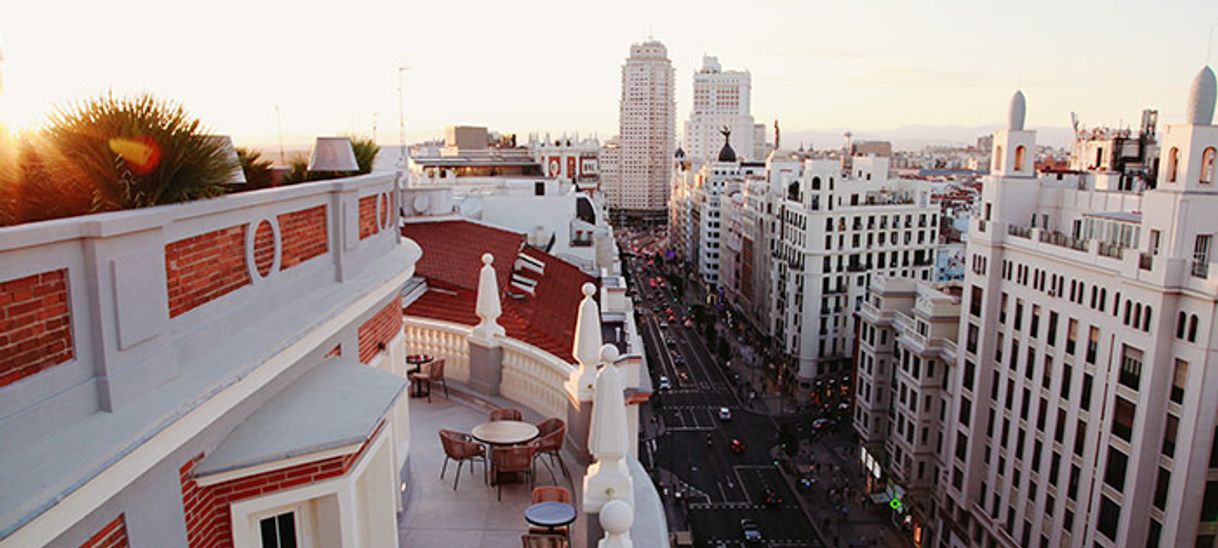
(721, 99)
(647, 125)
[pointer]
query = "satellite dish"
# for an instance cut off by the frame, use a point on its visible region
(420, 203)
(471, 207)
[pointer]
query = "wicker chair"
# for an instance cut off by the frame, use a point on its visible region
(461, 448)
(551, 493)
(435, 373)
(537, 540)
(551, 433)
(517, 459)
(503, 414)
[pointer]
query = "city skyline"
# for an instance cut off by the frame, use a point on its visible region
(901, 66)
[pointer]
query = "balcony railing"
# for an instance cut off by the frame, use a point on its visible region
(1020, 231)
(1111, 250)
(1059, 239)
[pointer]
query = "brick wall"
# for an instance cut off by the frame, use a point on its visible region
(367, 216)
(208, 517)
(336, 351)
(35, 325)
(304, 236)
(380, 329)
(205, 267)
(113, 535)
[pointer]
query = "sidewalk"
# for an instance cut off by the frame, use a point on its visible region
(836, 503)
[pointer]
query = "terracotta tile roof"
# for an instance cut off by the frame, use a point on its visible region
(452, 258)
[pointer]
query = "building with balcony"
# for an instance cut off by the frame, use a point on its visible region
(1084, 415)
(207, 373)
(832, 229)
(907, 359)
(231, 372)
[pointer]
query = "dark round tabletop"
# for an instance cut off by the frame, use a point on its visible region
(550, 514)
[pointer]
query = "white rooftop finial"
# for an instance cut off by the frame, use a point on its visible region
(488, 307)
(1201, 96)
(587, 342)
(1017, 112)
(616, 518)
(609, 478)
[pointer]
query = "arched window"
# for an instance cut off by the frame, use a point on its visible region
(1173, 160)
(1207, 165)
(998, 158)
(1181, 320)
(1019, 150)
(1192, 328)
(793, 191)
(816, 183)
(1146, 320)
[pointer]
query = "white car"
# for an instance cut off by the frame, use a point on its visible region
(725, 414)
(664, 384)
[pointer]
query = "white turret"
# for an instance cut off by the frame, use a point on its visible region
(1201, 96)
(1017, 112)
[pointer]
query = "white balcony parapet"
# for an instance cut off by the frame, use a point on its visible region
(488, 307)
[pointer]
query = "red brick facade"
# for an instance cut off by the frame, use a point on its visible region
(208, 517)
(380, 329)
(35, 325)
(264, 248)
(367, 216)
(113, 535)
(205, 267)
(304, 236)
(336, 351)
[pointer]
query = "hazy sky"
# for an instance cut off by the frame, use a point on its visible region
(331, 67)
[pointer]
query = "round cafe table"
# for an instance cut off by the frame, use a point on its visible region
(550, 514)
(418, 361)
(504, 432)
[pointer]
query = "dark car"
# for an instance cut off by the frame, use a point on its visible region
(736, 446)
(750, 531)
(771, 498)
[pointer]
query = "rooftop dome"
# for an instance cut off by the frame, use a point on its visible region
(680, 153)
(1201, 97)
(726, 154)
(1015, 116)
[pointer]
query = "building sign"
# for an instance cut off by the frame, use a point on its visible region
(869, 463)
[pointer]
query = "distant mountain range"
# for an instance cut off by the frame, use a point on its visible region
(917, 136)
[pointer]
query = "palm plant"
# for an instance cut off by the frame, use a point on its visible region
(258, 172)
(135, 152)
(366, 150)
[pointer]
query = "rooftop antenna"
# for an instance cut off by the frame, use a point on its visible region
(1209, 46)
(401, 119)
(279, 122)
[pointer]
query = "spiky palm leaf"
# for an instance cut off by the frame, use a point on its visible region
(258, 172)
(366, 150)
(136, 152)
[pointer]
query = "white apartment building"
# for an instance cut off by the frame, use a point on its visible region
(721, 100)
(1083, 412)
(833, 228)
(907, 353)
(636, 181)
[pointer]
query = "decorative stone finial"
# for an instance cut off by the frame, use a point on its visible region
(608, 478)
(587, 344)
(488, 307)
(616, 518)
(609, 354)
